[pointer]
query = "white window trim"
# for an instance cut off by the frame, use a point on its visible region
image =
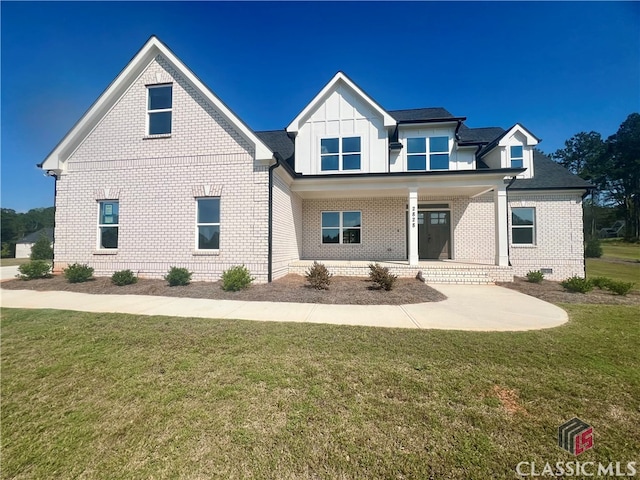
(341, 227)
(532, 227)
(100, 225)
(341, 154)
(197, 231)
(511, 159)
(427, 153)
(158, 110)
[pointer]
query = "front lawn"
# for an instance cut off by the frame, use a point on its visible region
(124, 396)
(11, 262)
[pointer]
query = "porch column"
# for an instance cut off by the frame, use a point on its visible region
(502, 230)
(413, 226)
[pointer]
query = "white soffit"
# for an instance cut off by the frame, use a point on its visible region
(531, 139)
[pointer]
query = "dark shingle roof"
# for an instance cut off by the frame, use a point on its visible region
(33, 237)
(549, 175)
(479, 135)
(278, 141)
(421, 114)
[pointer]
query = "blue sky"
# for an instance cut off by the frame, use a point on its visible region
(557, 68)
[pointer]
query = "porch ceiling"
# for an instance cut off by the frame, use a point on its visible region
(361, 187)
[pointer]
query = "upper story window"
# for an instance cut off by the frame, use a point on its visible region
(108, 223)
(437, 153)
(517, 156)
(340, 153)
(159, 105)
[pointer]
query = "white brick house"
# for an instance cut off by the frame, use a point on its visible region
(160, 173)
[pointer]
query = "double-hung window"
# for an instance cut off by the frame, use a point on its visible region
(437, 153)
(523, 226)
(340, 153)
(108, 223)
(159, 109)
(208, 223)
(517, 156)
(341, 227)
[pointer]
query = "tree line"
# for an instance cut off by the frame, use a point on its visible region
(612, 165)
(16, 225)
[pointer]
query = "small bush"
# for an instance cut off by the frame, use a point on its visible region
(123, 277)
(42, 250)
(593, 249)
(78, 273)
(601, 282)
(619, 288)
(535, 276)
(318, 276)
(381, 275)
(34, 269)
(178, 276)
(577, 284)
(236, 278)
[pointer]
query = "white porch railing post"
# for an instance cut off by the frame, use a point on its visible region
(502, 231)
(413, 226)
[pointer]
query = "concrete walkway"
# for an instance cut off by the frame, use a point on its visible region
(8, 273)
(468, 307)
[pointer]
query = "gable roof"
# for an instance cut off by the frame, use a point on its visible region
(532, 139)
(549, 175)
(152, 48)
(477, 136)
(338, 78)
(417, 115)
(33, 237)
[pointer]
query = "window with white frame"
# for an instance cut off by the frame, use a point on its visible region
(341, 227)
(159, 109)
(523, 225)
(108, 224)
(340, 153)
(208, 223)
(437, 153)
(517, 156)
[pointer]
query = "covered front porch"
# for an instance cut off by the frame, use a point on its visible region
(407, 221)
(446, 271)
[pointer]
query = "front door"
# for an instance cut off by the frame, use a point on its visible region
(434, 235)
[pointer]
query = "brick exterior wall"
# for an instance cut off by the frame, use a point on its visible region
(156, 181)
(559, 240)
(287, 226)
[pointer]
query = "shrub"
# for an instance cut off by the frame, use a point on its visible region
(318, 276)
(35, 269)
(535, 276)
(6, 251)
(42, 250)
(619, 288)
(381, 275)
(577, 284)
(123, 277)
(593, 249)
(78, 273)
(236, 278)
(601, 282)
(178, 276)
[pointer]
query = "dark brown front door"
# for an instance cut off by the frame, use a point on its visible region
(434, 235)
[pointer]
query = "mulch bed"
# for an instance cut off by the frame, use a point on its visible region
(291, 288)
(554, 293)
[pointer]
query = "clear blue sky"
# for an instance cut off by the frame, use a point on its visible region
(557, 68)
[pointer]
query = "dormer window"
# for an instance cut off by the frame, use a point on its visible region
(516, 156)
(437, 153)
(340, 154)
(159, 106)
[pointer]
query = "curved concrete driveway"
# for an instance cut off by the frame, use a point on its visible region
(468, 307)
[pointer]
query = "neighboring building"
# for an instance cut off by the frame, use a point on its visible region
(23, 246)
(159, 173)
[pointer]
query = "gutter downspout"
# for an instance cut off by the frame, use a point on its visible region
(270, 221)
(513, 179)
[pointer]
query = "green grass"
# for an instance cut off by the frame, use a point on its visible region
(611, 266)
(124, 396)
(10, 262)
(621, 250)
